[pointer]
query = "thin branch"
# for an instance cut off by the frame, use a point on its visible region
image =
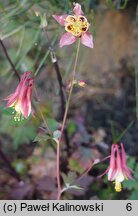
(58, 171)
(97, 161)
(8, 164)
(62, 98)
(71, 89)
(64, 121)
(61, 92)
(44, 120)
(9, 59)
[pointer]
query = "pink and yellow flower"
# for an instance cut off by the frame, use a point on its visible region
(76, 26)
(118, 170)
(20, 100)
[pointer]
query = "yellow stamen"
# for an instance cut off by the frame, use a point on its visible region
(71, 19)
(17, 111)
(118, 186)
(76, 25)
(18, 116)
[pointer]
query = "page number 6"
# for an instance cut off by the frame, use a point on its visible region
(129, 207)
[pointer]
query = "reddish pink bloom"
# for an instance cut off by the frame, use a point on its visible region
(118, 170)
(76, 26)
(20, 100)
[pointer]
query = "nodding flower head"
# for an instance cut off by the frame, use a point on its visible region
(20, 100)
(118, 170)
(76, 26)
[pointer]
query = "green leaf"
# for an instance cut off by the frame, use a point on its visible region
(72, 187)
(72, 127)
(6, 111)
(134, 195)
(20, 166)
(23, 135)
(42, 138)
(69, 178)
(53, 124)
(136, 172)
(130, 184)
(75, 166)
(131, 162)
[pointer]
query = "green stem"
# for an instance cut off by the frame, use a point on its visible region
(44, 120)
(64, 121)
(71, 89)
(9, 59)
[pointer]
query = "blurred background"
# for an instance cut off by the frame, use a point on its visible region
(103, 111)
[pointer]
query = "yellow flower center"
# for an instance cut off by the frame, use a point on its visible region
(76, 25)
(118, 186)
(17, 111)
(18, 116)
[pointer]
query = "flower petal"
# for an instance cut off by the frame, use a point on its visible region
(128, 173)
(18, 106)
(11, 100)
(67, 39)
(126, 170)
(112, 174)
(119, 176)
(87, 39)
(77, 9)
(118, 158)
(26, 100)
(60, 19)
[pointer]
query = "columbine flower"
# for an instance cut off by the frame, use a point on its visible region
(76, 26)
(20, 100)
(118, 170)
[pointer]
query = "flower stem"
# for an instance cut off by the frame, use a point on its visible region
(91, 166)
(54, 61)
(45, 121)
(62, 101)
(64, 121)
(71, 89)
(9, 59)
(58, 171)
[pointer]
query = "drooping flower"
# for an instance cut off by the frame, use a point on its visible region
(118, 170)
(20, 100)
(76, 26)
